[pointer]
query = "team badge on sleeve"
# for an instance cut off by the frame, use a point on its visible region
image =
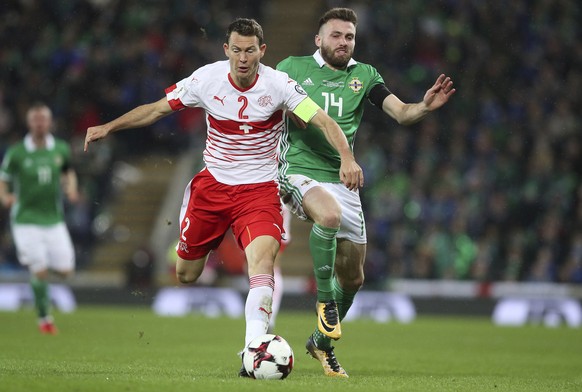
(300, 90)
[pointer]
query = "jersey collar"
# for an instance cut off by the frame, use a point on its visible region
(30, 146)
(321, 62)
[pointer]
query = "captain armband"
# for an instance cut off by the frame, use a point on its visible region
(306, 109)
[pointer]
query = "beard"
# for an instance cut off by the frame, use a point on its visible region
(330, 57)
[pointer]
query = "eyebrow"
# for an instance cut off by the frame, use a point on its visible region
(234, 46)
(341, 32)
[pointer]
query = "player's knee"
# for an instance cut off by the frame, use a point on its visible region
(186, 277)
(66, 274)
(352, 282)
(188, 271)
(356, 283)
(322, 207)
(331, 217)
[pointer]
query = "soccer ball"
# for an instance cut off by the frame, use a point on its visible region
(268, 357)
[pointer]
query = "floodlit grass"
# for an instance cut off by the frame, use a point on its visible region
(131, 349)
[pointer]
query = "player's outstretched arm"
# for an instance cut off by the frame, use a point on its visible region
(351, 173)
(410, 113)
(141, 116)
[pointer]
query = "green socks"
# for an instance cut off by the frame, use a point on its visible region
(344, 300)
(322, 244)
(41, 296)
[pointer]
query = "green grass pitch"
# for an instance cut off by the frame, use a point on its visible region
(130, 349)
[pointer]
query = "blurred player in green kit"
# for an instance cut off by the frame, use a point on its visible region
(34, 175)
(310, 185)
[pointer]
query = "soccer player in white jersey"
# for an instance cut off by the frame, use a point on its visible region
(244, 103)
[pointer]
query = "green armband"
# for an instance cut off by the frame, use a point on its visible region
(306, 109)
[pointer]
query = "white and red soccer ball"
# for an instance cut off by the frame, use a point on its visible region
(268, 357)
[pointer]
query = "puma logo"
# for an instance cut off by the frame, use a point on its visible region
(266, 311)
(221, 100)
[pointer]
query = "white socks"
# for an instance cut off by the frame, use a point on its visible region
(258, 307)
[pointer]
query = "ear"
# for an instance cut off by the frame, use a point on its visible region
(225, 46)
(318, 41)
(263, 48)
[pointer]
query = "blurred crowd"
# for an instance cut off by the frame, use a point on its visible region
(487, 188)
(93, 60)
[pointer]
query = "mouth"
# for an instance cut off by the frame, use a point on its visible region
(243, 69)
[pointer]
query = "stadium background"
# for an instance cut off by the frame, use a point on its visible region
(487, 190)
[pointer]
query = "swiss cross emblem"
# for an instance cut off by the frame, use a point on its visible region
(265, 100)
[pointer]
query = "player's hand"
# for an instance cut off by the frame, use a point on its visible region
(8, 200)
(296, 120)
(351, 174)
(439, 93)
(94, 134)
(73, 196)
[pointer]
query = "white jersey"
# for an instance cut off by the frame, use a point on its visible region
(243, 126)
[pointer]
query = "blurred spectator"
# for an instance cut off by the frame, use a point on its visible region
(491, 182)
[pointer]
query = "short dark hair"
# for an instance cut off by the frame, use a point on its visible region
(345, 14)
(38, 105)
(245, 27)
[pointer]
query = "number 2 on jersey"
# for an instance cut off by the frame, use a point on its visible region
(241, 114)
(245, 103)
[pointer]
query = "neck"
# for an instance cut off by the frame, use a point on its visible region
(243, 83)
(39, 140)
(335, 68)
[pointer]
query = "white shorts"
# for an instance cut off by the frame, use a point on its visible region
(44, 247)
(286, 238)
(353, 225)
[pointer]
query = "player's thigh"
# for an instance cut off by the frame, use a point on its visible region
(353, 224)
(309, 200)
(258, 213)
(61, 253)
(30, 247)
(204, 217)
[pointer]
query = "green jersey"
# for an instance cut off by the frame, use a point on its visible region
(35, 177)
(341, 93)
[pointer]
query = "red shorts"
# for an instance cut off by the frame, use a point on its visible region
(209, 208)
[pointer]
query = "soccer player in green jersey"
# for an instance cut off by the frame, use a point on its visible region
(308, 168)
(33, 176)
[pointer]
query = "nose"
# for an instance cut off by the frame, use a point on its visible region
(243, 57)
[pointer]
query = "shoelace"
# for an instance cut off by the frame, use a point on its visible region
(331, 360)
(330, 311)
